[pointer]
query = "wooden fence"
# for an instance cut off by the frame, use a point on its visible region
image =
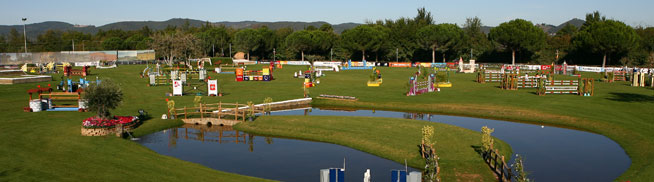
(497, 163)
(220, 111)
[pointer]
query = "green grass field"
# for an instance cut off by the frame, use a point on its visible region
(395, 139)
(47, 145)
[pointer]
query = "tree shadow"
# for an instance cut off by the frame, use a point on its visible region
(477, 149)
(630, 97)
(5, 173)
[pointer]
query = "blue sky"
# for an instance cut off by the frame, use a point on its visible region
(491, 12)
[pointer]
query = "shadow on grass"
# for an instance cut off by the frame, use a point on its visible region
(630, 97)
(9, 171)
(477, 149)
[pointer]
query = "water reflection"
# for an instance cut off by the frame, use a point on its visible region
(226, 149)
(551, 153)
(216, 134)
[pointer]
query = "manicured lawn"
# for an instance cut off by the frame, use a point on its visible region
(395, 139)
(47, 145)
(618, 111)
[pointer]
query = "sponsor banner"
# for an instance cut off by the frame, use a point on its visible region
(298, 63)
(243, 61)
(360, 64)
(425, 64)
(590, 69)
(398, 64)
(212, 87)
(92, 63)
(76, 56)
(545, 67)
(177, 87)
(530, 67)
(327, 63)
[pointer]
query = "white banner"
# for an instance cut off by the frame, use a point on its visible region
(212, 86)
(298, 63)
(90, 63)
(590, 69)
(177, 87)
(326, 63)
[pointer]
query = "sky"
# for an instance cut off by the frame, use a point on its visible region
(491, 12)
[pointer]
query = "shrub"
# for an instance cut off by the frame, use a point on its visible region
(101, 98)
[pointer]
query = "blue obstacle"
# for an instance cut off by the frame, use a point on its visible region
(63, 109)
(350, 67)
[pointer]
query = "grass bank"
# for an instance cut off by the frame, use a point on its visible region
(618, 111)
(394, 139)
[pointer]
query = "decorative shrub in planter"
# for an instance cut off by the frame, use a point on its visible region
(95, 126)
(101, 98)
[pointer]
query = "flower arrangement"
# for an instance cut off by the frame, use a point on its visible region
(96, 122)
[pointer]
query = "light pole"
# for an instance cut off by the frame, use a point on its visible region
(274, 55)
(397, 54)
(331, 53)
(25, 35)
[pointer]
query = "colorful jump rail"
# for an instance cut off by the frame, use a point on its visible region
(582, 87)
(420, 87)
(513, 81)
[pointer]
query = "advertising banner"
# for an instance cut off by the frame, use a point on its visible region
(212, 87)
(177, 88)
(399, 64)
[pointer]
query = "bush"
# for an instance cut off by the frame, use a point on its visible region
(101, 98)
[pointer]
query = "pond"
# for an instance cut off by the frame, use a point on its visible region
(225, 149)
(550, 153)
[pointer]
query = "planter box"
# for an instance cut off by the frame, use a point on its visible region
(97, 131)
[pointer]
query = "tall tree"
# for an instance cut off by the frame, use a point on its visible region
(164, 45)
(112, 43)
(214, 37)
(326, 28)
(282, 51)
(607, 37)
(15, 41)
(3, 44)
(322, 41)
(51, 41)
(267, 41)
(176, 45)
(561, 43)
(475, 40)
(300, 41)
(137, 42)
(248, 40)
(363, 38)
(647, 42)
(518, 35)
(439, 37)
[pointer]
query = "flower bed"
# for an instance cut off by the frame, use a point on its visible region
(100, 127)
(94, 122)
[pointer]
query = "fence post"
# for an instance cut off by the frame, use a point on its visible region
(236, 112)
(201, 112)
(185, 113)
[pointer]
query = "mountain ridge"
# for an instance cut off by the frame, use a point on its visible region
(35, 29)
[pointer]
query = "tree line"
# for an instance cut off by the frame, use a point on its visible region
(597, 41)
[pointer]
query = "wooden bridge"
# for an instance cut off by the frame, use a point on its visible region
(231, 113)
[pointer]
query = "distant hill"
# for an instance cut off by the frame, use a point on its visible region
(34, 29)
(575, 21)
(154, 25)
(547, 28)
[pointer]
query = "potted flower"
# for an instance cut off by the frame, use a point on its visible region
(101, 98)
